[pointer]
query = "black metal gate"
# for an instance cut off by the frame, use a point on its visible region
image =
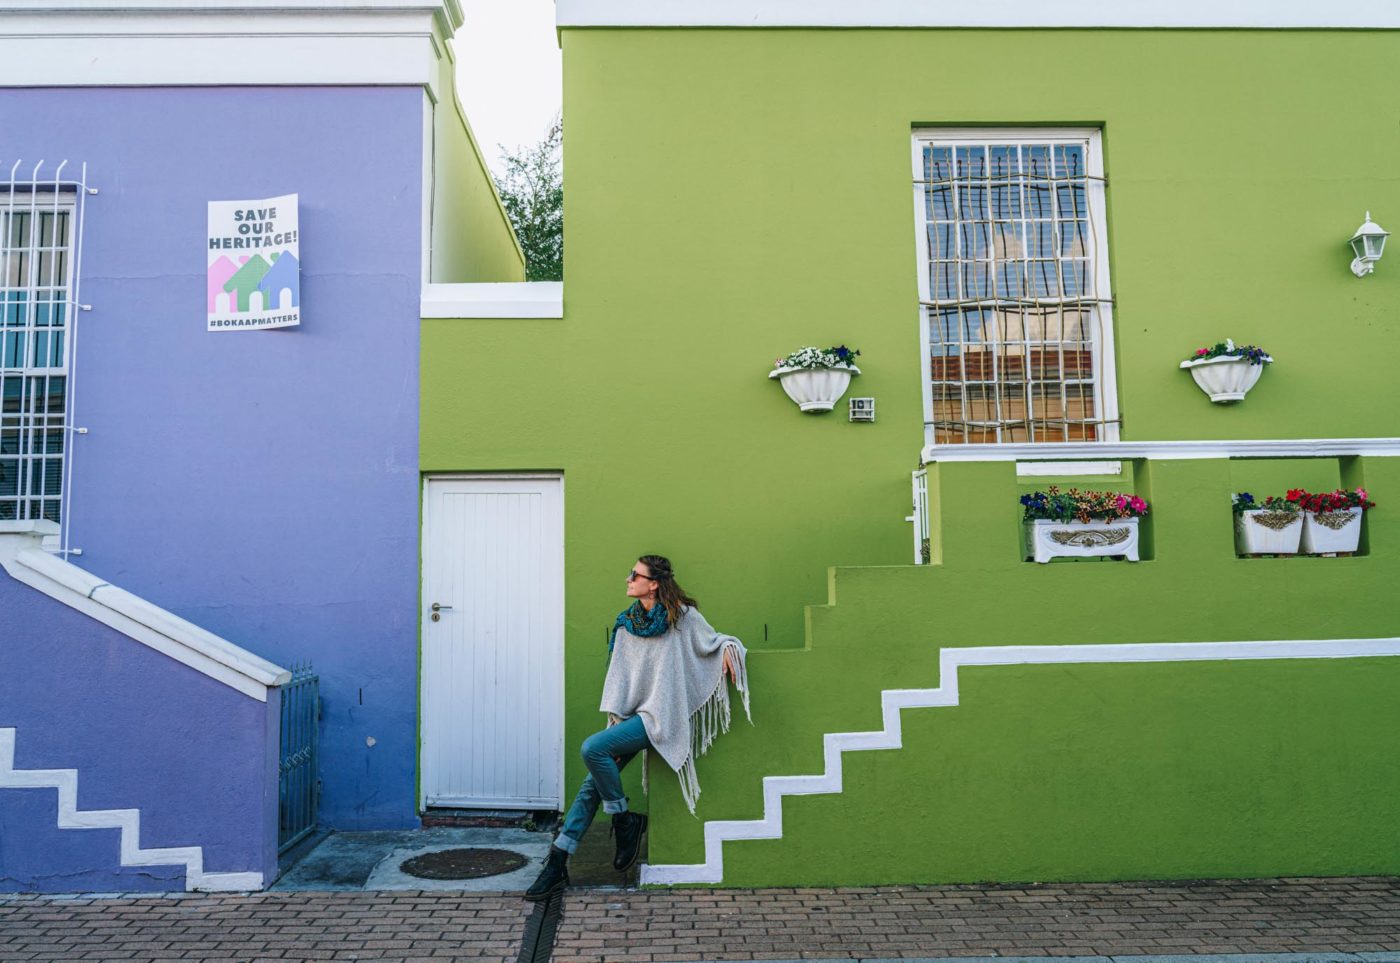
(299, 790)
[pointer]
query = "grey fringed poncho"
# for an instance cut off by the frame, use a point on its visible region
(675, 682)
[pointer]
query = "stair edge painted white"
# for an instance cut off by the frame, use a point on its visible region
(128, 821)
(717, 832)
(23, 558)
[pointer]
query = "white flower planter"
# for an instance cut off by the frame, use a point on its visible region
(815, 389)
(1260, 532)
(1045, 539)
(1328, 532)
(1225, 379)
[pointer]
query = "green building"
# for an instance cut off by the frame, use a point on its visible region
(1025, 221)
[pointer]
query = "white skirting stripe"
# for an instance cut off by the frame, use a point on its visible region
(126, 820)
(717, 832)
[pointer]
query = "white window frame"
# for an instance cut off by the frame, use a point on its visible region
(1103, 354)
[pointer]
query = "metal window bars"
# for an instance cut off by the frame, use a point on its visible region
(41, 224)
(1013, 309)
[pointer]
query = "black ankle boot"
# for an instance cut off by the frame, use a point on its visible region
(628, 828)
(553, 878)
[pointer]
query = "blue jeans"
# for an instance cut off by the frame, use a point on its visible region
(604, 753)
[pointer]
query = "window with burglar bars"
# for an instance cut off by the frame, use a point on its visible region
(36, 244)
(1016, 307)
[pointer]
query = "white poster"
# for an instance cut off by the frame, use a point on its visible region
(254, 264)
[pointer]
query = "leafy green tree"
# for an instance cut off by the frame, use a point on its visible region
(532, 191)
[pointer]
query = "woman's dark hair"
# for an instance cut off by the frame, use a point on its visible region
(668, 590)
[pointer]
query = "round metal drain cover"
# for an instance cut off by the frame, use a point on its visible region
(463, 863)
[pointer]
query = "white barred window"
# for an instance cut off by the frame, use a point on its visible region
(1013, 286)
(37, 223)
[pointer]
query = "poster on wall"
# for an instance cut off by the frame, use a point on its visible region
(254, 264)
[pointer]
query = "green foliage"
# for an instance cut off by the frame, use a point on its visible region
(1081, 506)
(532, 192)
(839, 356)
(1242, 502)
(1228, 349)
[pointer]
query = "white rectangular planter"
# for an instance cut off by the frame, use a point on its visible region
(1328, 532)
(1262, 532)
(1046, 539)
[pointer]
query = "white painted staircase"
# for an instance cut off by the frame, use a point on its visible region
(893, 701)
(126, 820)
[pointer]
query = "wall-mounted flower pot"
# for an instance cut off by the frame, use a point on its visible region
(1224, 379)
(1268, 533)
(1045, 539)
(1328, 532)
(815, 389)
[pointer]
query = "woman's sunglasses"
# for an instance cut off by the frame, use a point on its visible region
(634, 575)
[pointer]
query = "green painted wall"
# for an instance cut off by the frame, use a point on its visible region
(1164, 770)
(471, 236)
(733, 195)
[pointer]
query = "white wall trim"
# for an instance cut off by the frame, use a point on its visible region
(1256, 14)
(128, 821)
(510, 299)
(23, 557)
(1167, 450)
(1037, 469)
(66, 43)
(946, 694)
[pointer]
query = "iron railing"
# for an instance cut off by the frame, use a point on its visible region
(922, 546)
(298, 792)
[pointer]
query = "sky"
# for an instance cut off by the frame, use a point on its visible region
(508, 72)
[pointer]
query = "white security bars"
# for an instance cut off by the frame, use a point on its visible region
(40, 246)
(1015, 306)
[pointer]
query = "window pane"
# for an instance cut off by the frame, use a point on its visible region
(1008, 227)
(36, 232)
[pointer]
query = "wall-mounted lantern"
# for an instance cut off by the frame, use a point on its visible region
(1368, 242)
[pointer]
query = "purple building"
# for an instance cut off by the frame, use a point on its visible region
(253, 493)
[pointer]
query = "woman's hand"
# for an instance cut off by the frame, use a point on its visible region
(729, 668)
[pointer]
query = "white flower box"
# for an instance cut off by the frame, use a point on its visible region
(1046, 539)
(1263, 532)
(815, 389)
(1225, 378)
(1325, 533)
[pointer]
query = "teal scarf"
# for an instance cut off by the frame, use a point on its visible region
(639, 622)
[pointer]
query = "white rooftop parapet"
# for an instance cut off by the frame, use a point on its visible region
(94, 43)
(22, 556)
(1179, 14)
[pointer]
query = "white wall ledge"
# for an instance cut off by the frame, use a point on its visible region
(1167, 450)
(22, 556)
(1182, 14)
(516, 299)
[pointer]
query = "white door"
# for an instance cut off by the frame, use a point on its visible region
(493, 659)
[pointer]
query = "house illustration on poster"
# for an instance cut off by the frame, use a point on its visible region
(281, 285)
(220, 300)
(244, 283)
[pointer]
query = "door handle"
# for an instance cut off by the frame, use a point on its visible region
(439, 607)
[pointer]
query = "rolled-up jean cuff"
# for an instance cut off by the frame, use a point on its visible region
(566, 843)
(614, 806)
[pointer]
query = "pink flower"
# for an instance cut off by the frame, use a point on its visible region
(1361, 493)
(1201, 351)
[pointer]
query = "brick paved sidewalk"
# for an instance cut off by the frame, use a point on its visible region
(1258, 916)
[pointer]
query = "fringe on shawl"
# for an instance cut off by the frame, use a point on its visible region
(710, 720)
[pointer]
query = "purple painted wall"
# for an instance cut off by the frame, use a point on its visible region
(261, 484)
(144, 732)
